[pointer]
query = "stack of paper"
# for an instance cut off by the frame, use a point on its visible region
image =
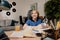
(28, 32)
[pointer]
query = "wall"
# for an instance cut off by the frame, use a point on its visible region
(22, 7)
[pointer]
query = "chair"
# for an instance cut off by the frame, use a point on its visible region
(21, 20)
(26, 18)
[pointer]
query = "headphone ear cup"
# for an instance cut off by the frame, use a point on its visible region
(8, 13)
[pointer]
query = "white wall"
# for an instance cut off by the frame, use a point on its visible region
(22, 7)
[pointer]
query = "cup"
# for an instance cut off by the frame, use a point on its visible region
(17, 27)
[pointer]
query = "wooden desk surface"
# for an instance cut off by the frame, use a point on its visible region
(14, 38)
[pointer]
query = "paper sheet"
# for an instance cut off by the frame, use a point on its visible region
(17, 34)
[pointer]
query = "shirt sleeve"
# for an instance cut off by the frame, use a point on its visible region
(28, 22)
(40, 21)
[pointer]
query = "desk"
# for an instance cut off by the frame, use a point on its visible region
(25, 38)
(14, 38)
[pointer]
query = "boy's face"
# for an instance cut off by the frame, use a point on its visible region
(34, 14)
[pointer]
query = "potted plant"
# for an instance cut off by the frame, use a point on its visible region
(52, 9)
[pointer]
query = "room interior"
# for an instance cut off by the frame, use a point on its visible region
(13, 15)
